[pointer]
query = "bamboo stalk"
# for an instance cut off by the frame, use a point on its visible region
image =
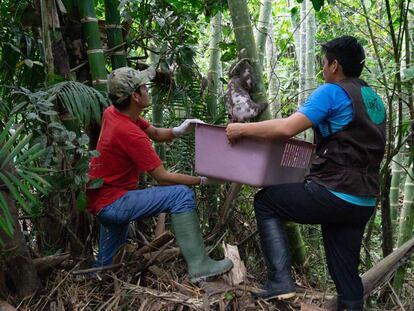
(95, 52)
(263, 27)
(114, 32)
(406, 224)
(214, 71)
(247, 48)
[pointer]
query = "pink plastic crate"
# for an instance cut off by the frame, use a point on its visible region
(255, 162)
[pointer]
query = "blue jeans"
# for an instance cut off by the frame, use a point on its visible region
(137, 204)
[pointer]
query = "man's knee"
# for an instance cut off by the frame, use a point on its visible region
(260, 201)
(185, 199)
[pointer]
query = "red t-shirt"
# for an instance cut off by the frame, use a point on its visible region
(125, 151)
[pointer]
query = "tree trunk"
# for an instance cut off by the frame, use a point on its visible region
(271, 60)
(263, 25)
(214, 71)
(19, 267)
(46, 40)
(114, 32)
(92, 37)
(310, 79)
(302, 54)
(245, 41)
(295, 28)
(387, 240)
(406, 224)
(396, 171)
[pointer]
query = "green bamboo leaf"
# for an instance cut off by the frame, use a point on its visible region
(40, 169)
(39, 179)
(317, 4)
(33, 183)
(5, 131)
(18, 107)
(34, 156)
(7, 146)
(16, 150)
(15, 193)
(81, 202)
(32, 150)
(23, 188)
(7, 221)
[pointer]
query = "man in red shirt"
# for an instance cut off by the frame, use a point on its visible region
(125, 151)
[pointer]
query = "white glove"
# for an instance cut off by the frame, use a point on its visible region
(204, 181)
(186, 127)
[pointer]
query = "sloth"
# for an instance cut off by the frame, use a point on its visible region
(239, 104)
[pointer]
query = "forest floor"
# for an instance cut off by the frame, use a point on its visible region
(162, 286)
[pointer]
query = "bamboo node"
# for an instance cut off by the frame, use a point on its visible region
(89, 19)
(95, 51)
(113, 26)
(242, 26)
(99, 81)
(119, 53)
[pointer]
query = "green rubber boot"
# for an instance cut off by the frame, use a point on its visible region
(188, 235)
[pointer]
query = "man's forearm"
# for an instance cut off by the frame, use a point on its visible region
(266, 129)
(163, 134)
(180, 179)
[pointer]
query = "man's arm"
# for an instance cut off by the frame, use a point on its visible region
(159, 134)
(167, 134)
(271, 129)
(163, 177)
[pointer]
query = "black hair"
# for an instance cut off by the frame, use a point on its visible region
(348, 52)
(124, 104)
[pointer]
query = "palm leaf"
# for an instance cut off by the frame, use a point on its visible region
(32, 150)
(16, 150)
(6, 221)
(9, 144)
(14, 192)
(83, 102)
(5, 132)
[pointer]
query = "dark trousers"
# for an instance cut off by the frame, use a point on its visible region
(342, 224)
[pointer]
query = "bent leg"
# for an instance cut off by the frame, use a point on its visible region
(136, 204)
(111, 238)
(150, 202)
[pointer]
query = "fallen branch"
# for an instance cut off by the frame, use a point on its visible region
(139, 266)
(45, 265)
(383, 271)
(175, 297)
(156, 244)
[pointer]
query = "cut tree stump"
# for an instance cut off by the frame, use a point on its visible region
(237, 274)
(4, 306)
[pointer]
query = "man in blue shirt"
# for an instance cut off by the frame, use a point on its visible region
(341, 188)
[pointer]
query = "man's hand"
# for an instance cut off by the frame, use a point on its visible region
(204, 181)
(234, 132)
(186, 127)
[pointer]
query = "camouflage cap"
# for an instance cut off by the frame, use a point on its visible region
(123, 81)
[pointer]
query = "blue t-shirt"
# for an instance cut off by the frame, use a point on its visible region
(329, 108)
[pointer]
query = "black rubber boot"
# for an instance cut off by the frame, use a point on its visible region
(350, 305)
(275, 248)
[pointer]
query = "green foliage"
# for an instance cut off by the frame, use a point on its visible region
(20, 173)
